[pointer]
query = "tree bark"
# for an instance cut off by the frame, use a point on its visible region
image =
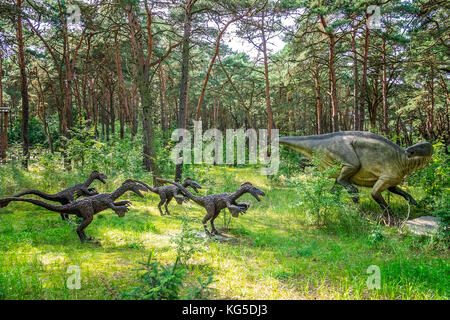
(355, 81)
(333, 97)
(23, 89)
(184, 77)
(384, 90)
(363, 95)
(266, 80)
(317, 96)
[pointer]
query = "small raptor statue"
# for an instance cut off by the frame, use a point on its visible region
(70, 194)
(214, 203)
(166, 193)
(368, 160)
(86, 208)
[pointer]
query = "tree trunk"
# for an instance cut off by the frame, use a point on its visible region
(23, 89)
(317, 96)
(184, 78)
(266, 78)
(355, 81)
(3, 117)
(384, 90)
(430, 107)
(163, 99)
(362, 101)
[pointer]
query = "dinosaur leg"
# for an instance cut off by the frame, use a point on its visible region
(64, 216)
(80, 230)
(165, 205)
(403, 193)
(163, 199)
(379, 187)
(210, 211)
(213, 228)
(344, 179)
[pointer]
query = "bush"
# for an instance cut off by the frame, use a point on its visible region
(165, 281)
(434, 179)
(159, 282)
(325, 207)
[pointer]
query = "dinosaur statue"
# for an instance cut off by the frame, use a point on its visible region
(368, 160)
(214, 203)
(166, 193)
(86, 208)
(70, 194)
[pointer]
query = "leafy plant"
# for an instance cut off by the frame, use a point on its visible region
(159, 281)
(165, 281)
(186, 242)
(434, 179)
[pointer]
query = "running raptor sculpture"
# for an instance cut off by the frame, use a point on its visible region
(86, 208)
(214, 203)
(166, 193)
(368, 160)
(70, 194)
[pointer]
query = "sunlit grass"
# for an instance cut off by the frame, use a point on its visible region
(274, 252)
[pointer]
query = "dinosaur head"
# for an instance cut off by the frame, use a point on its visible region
(99, 176)
(188, 182)
(420, 150)
(135, 186)
(254, 191)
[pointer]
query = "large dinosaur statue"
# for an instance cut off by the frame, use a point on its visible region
(86, 208)
(166, 193)
(367, 159)
(214, 203)
(70, 194)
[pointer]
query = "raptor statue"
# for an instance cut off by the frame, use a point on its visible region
(70, 194)
(86, 208)
(166, 193)
(215, 203)
(367, 159)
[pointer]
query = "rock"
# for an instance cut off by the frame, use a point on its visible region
(426, 225)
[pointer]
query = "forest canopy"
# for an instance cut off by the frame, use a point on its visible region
(142, 68)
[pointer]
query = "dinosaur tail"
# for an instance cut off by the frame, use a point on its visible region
(41, 194)
(185, 191)
(149, 187)
(305, 145)
(5, 201)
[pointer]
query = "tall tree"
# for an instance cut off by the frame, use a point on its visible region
(23, 87)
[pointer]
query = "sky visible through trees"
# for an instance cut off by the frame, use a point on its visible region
(143, 68)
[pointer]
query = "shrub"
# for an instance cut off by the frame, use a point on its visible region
(159, 282)
(325, 207)
(165, 281)
(434, 179)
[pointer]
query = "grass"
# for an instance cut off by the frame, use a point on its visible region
(274, 252)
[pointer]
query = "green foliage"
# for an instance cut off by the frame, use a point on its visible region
(187, 242)
(202, 290)
(81, 145)
(36, 133)
(434, 179)
(325, 208)
(159, 281)
(293, 163)
(376, 235)
(165, 281)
